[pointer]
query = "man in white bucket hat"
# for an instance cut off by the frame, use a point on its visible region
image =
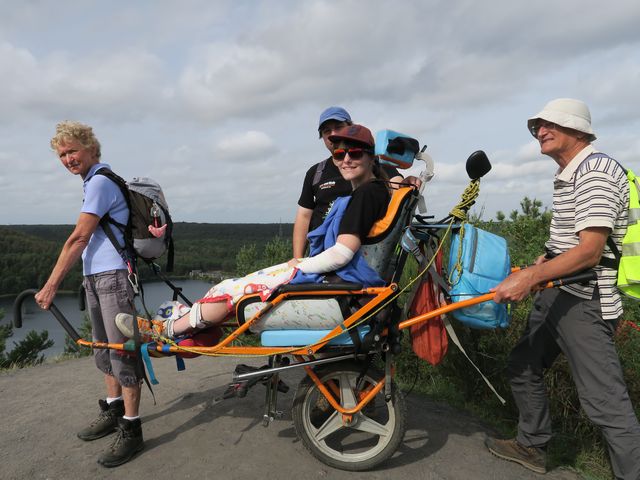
(590, 204)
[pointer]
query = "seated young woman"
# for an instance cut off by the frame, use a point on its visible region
(335, 245)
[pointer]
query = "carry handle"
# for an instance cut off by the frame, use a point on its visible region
(582, 277)
(17, 314)
(585, 276)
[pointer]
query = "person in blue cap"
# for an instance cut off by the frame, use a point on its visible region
(323, 182)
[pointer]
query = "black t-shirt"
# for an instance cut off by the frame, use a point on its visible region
(320, 196)
(368, 204)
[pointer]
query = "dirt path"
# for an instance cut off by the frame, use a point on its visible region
(189, 435)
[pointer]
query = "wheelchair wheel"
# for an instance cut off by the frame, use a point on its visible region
(374, 433)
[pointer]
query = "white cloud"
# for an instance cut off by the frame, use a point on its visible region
(120, 86)
(218, 100)
(247, 146)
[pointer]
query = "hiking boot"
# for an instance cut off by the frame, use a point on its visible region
(533, 458)
(106, 422)
(149, 329)
(126, 445)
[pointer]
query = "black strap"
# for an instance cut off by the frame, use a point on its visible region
(319, 170)
(170, 255)
(122, 250)
(127, 256)
(613, 263)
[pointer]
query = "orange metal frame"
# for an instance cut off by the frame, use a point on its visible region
(379, 296)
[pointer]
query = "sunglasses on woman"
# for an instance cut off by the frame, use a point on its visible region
(355, 153)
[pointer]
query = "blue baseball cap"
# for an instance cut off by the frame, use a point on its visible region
(334, 113)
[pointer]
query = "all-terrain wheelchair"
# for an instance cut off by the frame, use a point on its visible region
(347, 410)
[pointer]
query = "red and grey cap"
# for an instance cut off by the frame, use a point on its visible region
(354, 133)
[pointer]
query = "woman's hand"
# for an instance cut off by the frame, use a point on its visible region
(44, 298)
(293, 262)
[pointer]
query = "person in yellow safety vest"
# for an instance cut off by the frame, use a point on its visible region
(590, 212)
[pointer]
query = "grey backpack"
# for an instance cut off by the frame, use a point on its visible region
(147, 207)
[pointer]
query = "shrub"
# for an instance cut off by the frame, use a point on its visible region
(71, 348)
(26, 352)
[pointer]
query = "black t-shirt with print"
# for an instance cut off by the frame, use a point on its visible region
(368, 204)
(319, 197)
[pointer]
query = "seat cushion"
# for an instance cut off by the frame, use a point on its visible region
(299, 338)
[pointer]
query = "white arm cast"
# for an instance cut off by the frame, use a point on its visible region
(328, 261)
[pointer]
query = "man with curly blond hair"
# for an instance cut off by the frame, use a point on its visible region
(107, 288)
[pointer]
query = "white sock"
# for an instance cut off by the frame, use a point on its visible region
(113, 399)
(168, 328)
(131, 418)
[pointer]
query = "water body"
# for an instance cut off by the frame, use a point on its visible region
(37, 319)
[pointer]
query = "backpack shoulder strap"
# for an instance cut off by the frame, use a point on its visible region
(107, 219)
(318, 173)
(122, 185)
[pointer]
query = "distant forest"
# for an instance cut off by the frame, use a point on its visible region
(28, 252)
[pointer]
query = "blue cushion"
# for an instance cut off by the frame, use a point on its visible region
(296, 338)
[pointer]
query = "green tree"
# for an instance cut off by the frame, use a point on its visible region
(247, 259)
(27, 351)
(277, 250)
(71, 348)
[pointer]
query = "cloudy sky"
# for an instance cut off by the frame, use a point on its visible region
(219, 100)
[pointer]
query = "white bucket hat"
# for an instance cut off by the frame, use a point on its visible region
(568, 113)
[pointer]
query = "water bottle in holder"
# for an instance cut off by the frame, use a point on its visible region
(409, 244)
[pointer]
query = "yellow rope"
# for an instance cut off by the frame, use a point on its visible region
(469, 197)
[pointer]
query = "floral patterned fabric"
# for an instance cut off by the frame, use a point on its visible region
(263, 281)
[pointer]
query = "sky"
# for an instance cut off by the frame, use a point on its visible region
(219, 100)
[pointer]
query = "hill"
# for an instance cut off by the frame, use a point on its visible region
(28, 252)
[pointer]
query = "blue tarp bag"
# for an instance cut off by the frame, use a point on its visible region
(478, 262)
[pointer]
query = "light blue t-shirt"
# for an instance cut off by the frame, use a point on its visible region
(102, 196)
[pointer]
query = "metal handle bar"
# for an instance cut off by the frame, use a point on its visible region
(585, 276)
(17, 314)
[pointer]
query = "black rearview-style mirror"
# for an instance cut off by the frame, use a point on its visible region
(478, 165)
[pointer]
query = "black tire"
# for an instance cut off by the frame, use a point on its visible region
(372, 437)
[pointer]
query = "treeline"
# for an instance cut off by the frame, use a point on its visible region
(26, 259)
(28, 252)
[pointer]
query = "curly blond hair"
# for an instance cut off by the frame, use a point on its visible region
(75, 131)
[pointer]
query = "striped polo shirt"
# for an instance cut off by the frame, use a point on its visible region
(591, 193)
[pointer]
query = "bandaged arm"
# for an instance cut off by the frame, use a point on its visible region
(328, 261)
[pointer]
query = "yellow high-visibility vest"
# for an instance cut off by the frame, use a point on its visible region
(629, 268)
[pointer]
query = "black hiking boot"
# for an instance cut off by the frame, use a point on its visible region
(126, 445)
(106, 422)
(533, 458)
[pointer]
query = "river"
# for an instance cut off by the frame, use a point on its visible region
(37, 319)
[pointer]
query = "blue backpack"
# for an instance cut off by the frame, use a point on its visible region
(478, 261)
